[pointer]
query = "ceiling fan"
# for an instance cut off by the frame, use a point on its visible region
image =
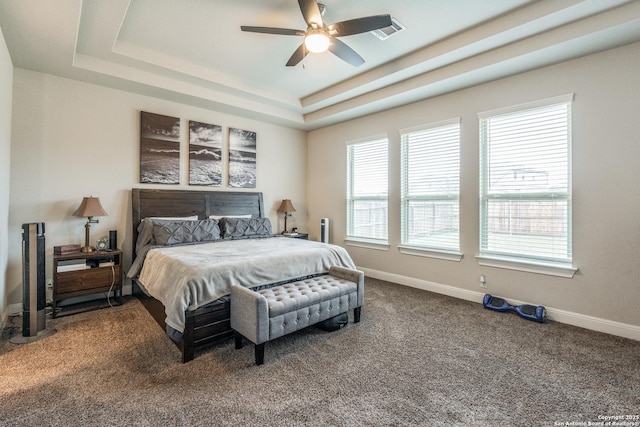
(320, 37)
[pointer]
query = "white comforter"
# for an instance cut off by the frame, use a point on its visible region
(187, 277)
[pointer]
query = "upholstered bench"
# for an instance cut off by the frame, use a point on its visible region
(265, 314)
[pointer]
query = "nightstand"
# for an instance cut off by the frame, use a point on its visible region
(304, 236)
(86, 273)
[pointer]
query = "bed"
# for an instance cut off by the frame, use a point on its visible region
(200, 313)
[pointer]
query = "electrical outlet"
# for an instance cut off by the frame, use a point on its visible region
(483, 281)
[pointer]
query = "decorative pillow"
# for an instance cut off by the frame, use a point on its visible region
(145, 229)
(219, 217)
(176, 232)
(234, 228)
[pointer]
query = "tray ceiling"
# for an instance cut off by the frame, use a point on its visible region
(194, 52)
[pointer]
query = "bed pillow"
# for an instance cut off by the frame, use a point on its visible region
(219, 217)
(235, 228)
(176, 232)
(145, 229)
(173, 218)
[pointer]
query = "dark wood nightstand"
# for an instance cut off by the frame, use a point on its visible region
(85, 273)
(304, 236)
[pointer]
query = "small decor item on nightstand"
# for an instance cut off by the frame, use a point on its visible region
(66, 249)
(113, 239)
(102, 244)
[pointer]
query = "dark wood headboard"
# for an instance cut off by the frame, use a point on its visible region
(170, 203)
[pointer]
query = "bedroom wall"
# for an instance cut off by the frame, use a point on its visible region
(72, 139)
(604, 294)
(6, 95)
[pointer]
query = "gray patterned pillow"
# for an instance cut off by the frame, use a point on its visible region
(176, 232)
(234, 228)
(145, 229)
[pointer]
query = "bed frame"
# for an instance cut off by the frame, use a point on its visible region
(208, 324)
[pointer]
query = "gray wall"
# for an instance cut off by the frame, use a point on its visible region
(604, 294)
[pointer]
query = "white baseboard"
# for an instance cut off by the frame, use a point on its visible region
(557, 315)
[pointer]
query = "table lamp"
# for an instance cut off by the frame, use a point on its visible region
(286, 206)
(89, 208)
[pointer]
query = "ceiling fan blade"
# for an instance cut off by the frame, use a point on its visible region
(311, 13)
(344, 52)
(297, 56)
(271, 30)
(359, 25)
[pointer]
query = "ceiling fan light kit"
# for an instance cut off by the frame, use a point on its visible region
(320, 37)
(317, 41)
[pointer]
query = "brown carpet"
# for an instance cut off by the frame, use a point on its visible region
(416, 358)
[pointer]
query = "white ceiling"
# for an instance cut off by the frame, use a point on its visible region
(192, 51)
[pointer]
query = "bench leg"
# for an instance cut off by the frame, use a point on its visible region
(356, 314)
(260, 353)
(238, 340)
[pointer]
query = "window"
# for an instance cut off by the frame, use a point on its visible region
(431, 187)
(367, 189)
(525, 182)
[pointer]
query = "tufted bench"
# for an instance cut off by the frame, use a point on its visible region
(266, 314)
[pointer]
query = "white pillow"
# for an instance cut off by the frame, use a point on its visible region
(174, 218)
(218, 217)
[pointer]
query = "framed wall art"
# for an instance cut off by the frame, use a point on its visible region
(205, 154)
(242, 158)
(159, 149)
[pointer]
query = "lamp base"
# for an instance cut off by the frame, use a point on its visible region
(87, 249)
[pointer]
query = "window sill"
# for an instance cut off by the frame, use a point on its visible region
(549, 269)
(367, 244)
(430, 253)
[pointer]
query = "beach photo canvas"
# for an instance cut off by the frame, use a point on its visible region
(242, 158)
(159, 149)
(205, 154)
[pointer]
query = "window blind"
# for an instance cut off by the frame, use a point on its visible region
(367, 191)
(431, 187)
(525, 206)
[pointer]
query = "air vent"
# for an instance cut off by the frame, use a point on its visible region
(386, 32)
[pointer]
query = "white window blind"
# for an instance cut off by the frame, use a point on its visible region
(367, 189)
(431, 187)
(525, 206)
